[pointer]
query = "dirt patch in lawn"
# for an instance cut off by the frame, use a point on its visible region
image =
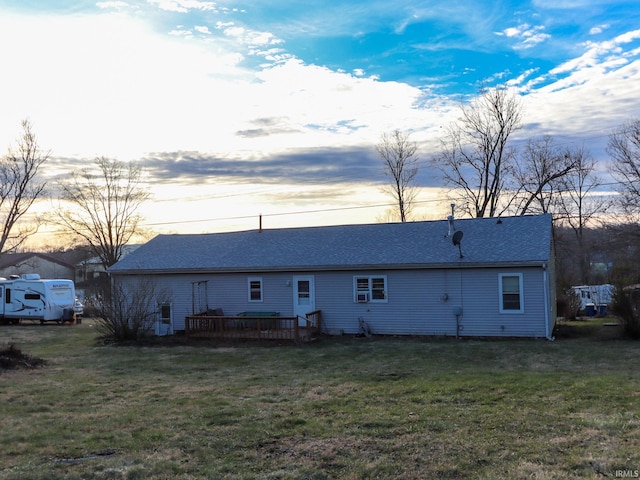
(12, 358)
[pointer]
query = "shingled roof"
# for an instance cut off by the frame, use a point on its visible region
(524, 240)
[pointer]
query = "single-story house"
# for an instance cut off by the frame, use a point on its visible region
(484, 277)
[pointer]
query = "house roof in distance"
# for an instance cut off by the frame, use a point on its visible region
(520, 240)
(14, 259)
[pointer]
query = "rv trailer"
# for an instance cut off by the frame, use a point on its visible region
(28, 297)
(594, 297)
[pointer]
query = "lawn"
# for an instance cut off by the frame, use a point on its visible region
(344, 408)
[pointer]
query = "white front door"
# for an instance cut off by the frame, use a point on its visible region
(304, 298)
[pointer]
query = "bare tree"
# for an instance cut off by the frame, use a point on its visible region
(624, 236)
(578, 206)
(19, 188)
(624, 148)
(539, 172)
(104, 207)
(475, 158)
(400, 164)
(128, 311)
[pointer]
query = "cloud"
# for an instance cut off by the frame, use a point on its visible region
(599, 29)
(113, 87)
(264, 45)
(520, 79)
(568, 4)
(268, 126)
(202, 29)
(126, 90)
(138, 91)
(296, 166)
(182, 31)
(600, 54)
(112, 4)
(313, 196)
(183, 6)
(527, 36)
(252, 38)
(584, 99)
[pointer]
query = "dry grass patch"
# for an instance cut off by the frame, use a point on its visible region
(345, 408)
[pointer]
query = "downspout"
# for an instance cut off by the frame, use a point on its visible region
(545, 279)
(459, 311)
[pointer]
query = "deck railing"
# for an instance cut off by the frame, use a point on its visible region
(249, 327)
(314, 321)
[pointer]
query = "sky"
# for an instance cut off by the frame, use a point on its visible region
(244, 108)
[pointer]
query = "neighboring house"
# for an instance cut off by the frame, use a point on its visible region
(89, 269)
(495, 279)
(47, 266)
(92, 268)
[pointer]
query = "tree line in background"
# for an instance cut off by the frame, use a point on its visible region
(597, 235)
(98, 205)
(487, 176)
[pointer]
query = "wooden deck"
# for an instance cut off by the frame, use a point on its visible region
(254, 327)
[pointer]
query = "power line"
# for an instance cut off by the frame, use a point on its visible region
(318, 182)
(282, 214)
(322, 210)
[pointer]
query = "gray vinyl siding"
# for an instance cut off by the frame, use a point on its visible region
(419, 302)
(424, 302)
(553, 307)
(170, 289)
(226, 291)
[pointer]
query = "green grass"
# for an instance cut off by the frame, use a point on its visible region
(340, 408)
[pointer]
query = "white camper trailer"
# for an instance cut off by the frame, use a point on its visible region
(33, 298)
(594, 298)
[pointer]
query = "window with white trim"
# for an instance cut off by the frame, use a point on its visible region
(511, 293)
(255, 289)
(370, 289)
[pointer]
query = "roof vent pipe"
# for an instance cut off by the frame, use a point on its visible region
(452, 228)
(260, 224)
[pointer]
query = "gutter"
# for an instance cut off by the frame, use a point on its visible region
(327, 268)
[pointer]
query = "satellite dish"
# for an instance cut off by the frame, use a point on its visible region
(457, 238)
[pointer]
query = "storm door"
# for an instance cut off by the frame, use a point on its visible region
(164, 320)
(304, 299)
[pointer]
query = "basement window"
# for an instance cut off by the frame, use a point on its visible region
(255, 289)
(511, 293)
